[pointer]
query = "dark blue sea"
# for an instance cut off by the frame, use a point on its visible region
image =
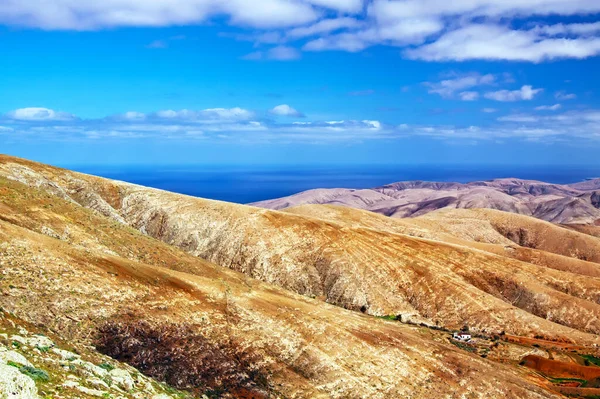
(244, 184)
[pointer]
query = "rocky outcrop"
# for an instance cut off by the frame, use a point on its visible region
(16, 385)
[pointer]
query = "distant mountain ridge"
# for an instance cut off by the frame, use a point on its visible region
(577, 203)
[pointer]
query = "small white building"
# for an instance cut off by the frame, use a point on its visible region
(462, 336)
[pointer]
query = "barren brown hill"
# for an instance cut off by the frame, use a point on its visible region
(91, 279)
(484, 229)
(369, 268)
(572, 204)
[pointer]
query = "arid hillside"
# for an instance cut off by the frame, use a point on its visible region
(365, 262)
(87, 277)
(570, 204)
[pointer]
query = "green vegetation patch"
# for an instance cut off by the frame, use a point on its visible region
(106, 366)
(463, 346)
(591, 360)
(558, 381)
(35, 373)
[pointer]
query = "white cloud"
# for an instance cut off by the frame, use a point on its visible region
(489, 110)
(468, 95)
(562, 95)
(521, 118)
(324, 26)
(456, 30)
(496, 42)
(279, 53)
(131, 116)
(525, 93)
(554, 107)
(569, 29)
(206, 115)
(399, 34)
(486, 8)
(286, 110)
(266, 14)
(351, 6)
(448, 87)
(39, 114)
(92, 14)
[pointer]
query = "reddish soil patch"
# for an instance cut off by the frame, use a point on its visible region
(556, 369)
(542, 342)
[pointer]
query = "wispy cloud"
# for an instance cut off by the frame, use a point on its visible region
(524, 93)
(448, 88)
(279, 53)
(554, 107)
(165, 43)
(563, 95)
(157, 44)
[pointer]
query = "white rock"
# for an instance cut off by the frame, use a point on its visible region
(19, 339)
(87, 391)
(40, 341)
(162, 396)
(90, 368)
(148, 387)
(12, 356)
(65, 355)
(97, 383)
(49, 232)
(15, 385)
(123, 379)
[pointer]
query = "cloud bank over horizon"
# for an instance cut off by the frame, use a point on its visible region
(243, 125)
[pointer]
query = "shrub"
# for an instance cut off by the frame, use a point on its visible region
(181, 357)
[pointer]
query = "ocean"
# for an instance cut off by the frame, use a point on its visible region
(245, 184)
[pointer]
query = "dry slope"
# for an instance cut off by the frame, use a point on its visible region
(367, 266)
(90, 279)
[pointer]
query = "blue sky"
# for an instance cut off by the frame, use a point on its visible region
(301, 81)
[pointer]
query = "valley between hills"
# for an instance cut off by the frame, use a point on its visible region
(202, 297)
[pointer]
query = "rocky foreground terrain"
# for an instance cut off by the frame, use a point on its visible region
(319, 301)
(569, 204)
